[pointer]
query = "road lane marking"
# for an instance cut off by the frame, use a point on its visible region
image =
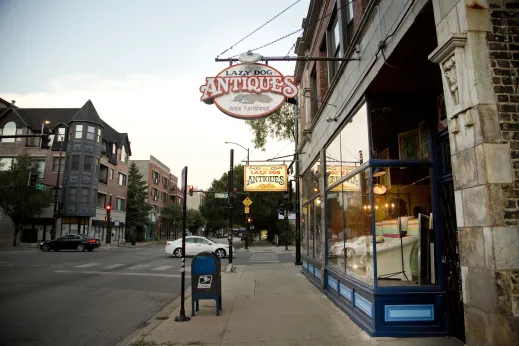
(118, 273)
(261, 261)
(87, 265)
(163, 267)
(113, 266)
(139, 266)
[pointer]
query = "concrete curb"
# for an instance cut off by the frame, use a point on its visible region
(139, 334)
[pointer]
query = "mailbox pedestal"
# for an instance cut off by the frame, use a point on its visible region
(206, 280)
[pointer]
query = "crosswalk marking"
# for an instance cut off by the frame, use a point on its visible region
(114, 266)
(118, 273)
(163, 267)
(87, 265)
(187, 269)
(139, 266)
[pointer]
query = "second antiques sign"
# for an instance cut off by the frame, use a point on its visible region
(265, 178)
(248, 91)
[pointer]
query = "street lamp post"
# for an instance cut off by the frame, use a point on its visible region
(242, 147)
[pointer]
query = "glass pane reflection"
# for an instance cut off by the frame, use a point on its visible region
(350, 227)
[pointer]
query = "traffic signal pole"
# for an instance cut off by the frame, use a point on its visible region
(230, 192)
(56, 191)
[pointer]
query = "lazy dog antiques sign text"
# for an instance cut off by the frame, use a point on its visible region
(265, 178)
(249, 91)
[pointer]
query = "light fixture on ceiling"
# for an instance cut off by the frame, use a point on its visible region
(379, 172)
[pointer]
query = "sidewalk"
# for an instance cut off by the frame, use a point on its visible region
(264, 246)
(269, 306)
(36, 246)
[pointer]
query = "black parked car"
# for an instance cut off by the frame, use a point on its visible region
(78, 242)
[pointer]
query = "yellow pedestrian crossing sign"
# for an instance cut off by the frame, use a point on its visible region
(247, 202)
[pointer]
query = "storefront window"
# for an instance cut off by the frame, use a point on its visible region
(350, 227)
(405, 139)
(350, 148)
(318, 232)
(405, 241)
(310, 182)
(304, 230)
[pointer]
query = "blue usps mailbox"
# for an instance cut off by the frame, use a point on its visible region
(206, 280)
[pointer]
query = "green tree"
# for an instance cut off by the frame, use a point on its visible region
(137, 210)
(172, 218)
(195, 220)
(18, 201)
(263, 209)
(279, 126)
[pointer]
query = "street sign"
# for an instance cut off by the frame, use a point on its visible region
(247, 202)
(40, 186)
(246, 210)
(221, 195)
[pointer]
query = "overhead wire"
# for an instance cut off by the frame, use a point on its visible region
(298, 30)
(260, 27)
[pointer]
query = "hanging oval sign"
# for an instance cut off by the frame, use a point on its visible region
(248, 91)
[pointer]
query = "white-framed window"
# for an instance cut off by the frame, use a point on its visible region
(156, 177)
(57, 162)
(61, 134)
(122, 179)
(79, 132)
(124, 155)
(90, 132)
(9, 129)
(98, 135)
(114, 148)
(6, 163)
(39, 164)
(120, 204)
(111, 174)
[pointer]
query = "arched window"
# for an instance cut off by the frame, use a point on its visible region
(9, 130)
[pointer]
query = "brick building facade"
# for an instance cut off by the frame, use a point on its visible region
(416, 130)
(109, 184)
(163, 189)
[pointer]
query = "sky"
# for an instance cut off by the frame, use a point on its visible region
(142, 64)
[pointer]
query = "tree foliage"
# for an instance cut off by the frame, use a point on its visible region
(137, 210)
(172, 218)
(263, 209)
(195, 220)
(279, 125)
(19, 201)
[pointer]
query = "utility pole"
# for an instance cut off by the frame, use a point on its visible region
(182, 316)
(286, 198)
(56, 191)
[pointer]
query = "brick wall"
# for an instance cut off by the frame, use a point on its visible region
(504, 54)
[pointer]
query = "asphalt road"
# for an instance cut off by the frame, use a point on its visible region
(91, 298)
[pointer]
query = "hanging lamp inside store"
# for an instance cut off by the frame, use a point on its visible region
(379, 172)
(379, 189)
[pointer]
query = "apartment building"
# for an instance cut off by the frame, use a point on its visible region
(195, 201)
(91, 159)
(410, 164)
(162, 189)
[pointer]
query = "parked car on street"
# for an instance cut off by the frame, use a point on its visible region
(78, 242)
(195, 245)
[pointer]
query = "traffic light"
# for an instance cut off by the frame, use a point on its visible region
(59, 209)
(191, 190)
(45, 141)
(282, 209)
(249, 219)
(108, 210)
(33, 176)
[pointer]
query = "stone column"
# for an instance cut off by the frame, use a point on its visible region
(482, 172)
